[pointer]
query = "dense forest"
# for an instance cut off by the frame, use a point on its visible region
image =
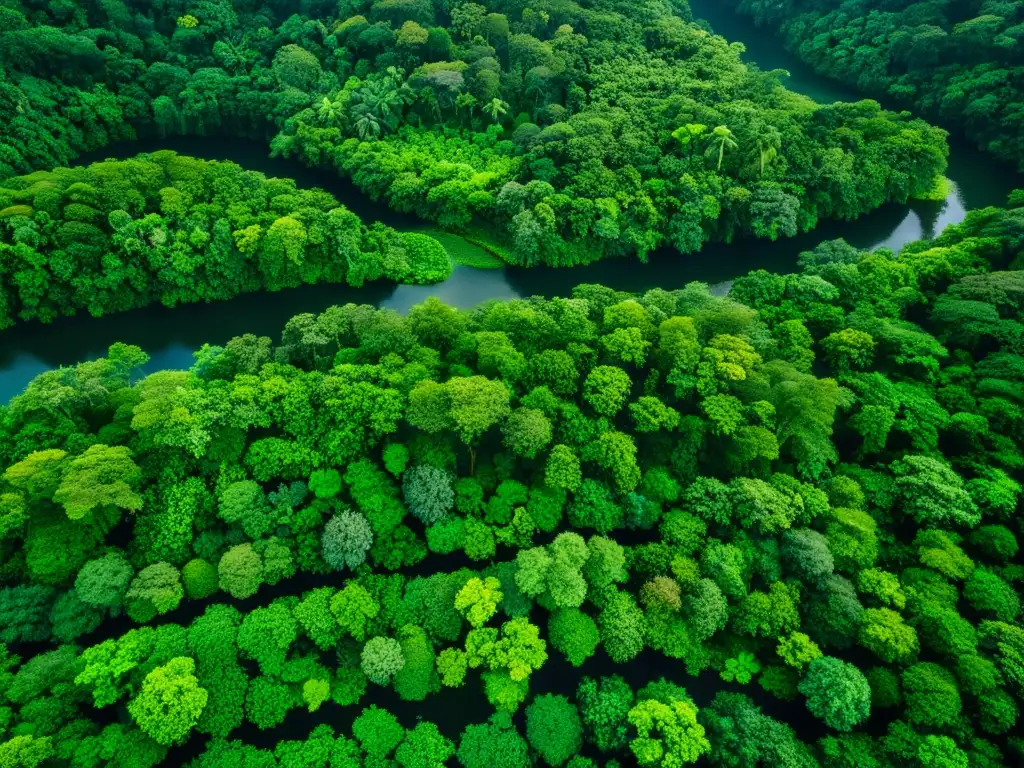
(805, 489)
(567, 131)
(959, 62)
(777, 527)
(162, 228)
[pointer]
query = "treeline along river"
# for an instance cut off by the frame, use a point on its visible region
(169, 335)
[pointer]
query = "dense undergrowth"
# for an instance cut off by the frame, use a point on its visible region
(162, 228)
(809, 488)
(959, 62)
(551, 515)
(573, 131)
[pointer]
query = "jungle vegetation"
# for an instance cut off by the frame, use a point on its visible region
(776, 528)
(958, 62)
(570, 132)
(163, 228)
(808, 490)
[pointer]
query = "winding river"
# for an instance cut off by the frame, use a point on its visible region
(170, 335)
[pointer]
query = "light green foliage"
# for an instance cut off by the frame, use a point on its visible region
(240, 571)
(244, 504)
(395, 457)
(883, 632)
(199, 579)
(933, 494)
(621, 626)
(520, 650)
(606, 389)
(755, 491)
(798, 650)
(563, 468)
(452, 666)
(668, 733)
(941, 752)
(478, 600)
(154, 591)
(39, 474)
(574, 634)
(503, 692)
(354, 608)
(325, 483)
(381, 659)
(527, 431)
(424, 747)
(883, 586)
(26, 751)
(101, 476)
(417, 676)
(740, 669)
(266, 634)
(555, 572)
(267, 702)
(849, 349)
(989, 594)
(170, 702)
(315, 693)
(931, 694)
(313, 613)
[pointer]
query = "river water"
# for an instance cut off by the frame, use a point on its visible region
(171, 335)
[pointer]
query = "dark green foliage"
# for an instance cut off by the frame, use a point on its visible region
(604, 708)
(836, 692)
(377, 731)
(494, 744)
(948, 61)
(553, 728)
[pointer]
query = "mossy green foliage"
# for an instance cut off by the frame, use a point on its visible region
(172, 229)
(801, 511)
(466, 252)
(568, 134)
(809, 486)
(945, 59)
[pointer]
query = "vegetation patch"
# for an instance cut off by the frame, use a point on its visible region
(171, 229)
(466, 251)
(800, 490)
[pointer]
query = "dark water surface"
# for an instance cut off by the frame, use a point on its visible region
(170, 335)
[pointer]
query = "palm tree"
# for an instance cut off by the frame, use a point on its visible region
(768, 144)
(383, 100)
(429, 99)
(367, 124)
(466, 100)
(496, 108)
(330, 111)
(722, 136)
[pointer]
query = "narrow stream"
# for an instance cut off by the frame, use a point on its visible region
(169, 336)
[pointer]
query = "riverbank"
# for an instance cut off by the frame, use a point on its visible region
(170, 336)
